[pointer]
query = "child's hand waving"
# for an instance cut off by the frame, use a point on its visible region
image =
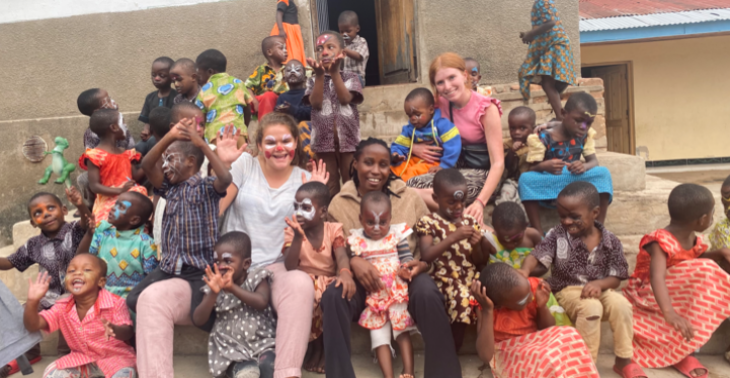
(74, 196)
(317, 67)
(214, 279)
(39, 288)
(227, 145)
(348, 284)
(542, 294)
(295, 226)
(480, 294)
(319, 173)
(680, 324)
(92, 224)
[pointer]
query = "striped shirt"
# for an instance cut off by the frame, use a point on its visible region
(190, 223)
(86, 337)
(360, 46)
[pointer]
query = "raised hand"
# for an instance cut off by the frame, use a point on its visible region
(214, 279)
(129, 184)
(295, 226)
(480, 294)
(38, 288)
(227, 145)
(74, 196)
(334, 67)
(91, 227)
(188, 131)
(316, 67)
(319, 173)
(227, 280)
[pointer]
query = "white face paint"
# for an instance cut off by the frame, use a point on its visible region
(283, 47)
(226, 255)
(377, 217)
(121, 124)
(523, 301)
(171, 164)
(301, 209)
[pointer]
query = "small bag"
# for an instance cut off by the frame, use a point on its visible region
(472, 156)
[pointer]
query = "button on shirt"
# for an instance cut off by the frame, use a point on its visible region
(574, 265)
(86, 337)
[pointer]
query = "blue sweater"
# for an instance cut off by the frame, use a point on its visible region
(296, 109)
(440, 131)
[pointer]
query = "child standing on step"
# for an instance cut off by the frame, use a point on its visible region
(334, 96)
(164, 96)
(266, 82)
(588, 265)
(555, 154)
(425, 126)
(679, 293)
(110, 167)
(356, 49)
(453, 242)
(385, 246)
(184, 74)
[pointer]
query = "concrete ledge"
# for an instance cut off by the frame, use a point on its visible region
(628, 172)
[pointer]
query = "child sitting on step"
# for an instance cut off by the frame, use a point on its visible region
(241, 344)
(473, 68)
(555, 156)
(425, 126)
(679, 293)
(516, 333)
(521, 122)
(266, 82)
(720, 235)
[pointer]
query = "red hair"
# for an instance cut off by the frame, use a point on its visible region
(445, 60)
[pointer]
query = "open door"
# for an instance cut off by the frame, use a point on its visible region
(618, 114)
(396, 41)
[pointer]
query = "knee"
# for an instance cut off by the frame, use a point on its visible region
(331, 296)
(300, 283)
(423, 289)
(266, 363)
(590, 309)
(616, 303)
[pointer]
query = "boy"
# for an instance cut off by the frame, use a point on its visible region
(290, 102)
(184, 74)
(163, 96)
(425, 126)
(266, 80)
(588, 264)
(475, 76)
(521, 121)
(223, 98)
(356, 47)
(159, 120)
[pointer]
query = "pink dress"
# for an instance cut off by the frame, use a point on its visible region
(468, 118)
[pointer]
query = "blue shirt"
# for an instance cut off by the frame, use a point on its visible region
(441, 132)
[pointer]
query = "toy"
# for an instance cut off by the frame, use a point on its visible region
(59, 165)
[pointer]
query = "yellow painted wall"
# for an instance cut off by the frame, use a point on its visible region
(681, 94)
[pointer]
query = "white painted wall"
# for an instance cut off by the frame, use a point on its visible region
(28, 10)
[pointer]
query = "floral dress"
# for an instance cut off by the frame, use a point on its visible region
(454, 270)
(390, 303)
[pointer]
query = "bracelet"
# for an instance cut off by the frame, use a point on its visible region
(480, 201)
(348, 271)
(473, 303)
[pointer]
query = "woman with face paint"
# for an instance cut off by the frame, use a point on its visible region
(268, 183)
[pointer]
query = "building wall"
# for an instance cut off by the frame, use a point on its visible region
(680, 92)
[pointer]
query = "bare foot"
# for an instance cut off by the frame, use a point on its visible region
(309, 362)
(318, 356)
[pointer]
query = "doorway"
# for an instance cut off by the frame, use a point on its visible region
(619, 105)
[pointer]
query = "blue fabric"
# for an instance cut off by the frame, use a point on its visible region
(451, 148)
(544, 186)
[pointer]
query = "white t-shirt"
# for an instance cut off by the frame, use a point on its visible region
(259, 210)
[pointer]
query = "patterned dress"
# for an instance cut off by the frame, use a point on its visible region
(222, 100)
(720, 235)
(549, 53)
(699, 291)
(390, 303)
(454, 270)
(114, 171)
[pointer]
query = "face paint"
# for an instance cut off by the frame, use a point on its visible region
(524, 301)
(474, 69)
(226, 255)
(120, 123)
(287, 145)
(323, 39)
(171, 164)
(584, 126)
(591, 115)
(283, 47)
(377, 217)
(515, 237)
(300, 212)
(458, 195)
(118, 213)
(108, 103)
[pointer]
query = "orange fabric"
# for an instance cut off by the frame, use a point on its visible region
(415, 167)
(509, 324)
(267, 103)
(320, 262)
(284, 1)
(671, 246)
(320, 285)
(294, 41)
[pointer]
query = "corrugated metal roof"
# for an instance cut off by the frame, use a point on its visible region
(610, 8)
(657, 19)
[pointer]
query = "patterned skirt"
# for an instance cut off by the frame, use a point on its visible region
(320, 285)
(379, 308)
(555, 61)
(545, 187)
(475, 179)
(700, 293)
(555, 352)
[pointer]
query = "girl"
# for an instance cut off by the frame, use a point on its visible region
(549, 59)
(334, 96)
(386, 247)
(478, 119)
(555, 155)
(678, 292)
(317, 248)
(110, 167)
(287, 27)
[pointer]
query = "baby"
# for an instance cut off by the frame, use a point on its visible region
(428, 127)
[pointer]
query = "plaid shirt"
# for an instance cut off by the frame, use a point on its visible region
(190, 223)
(360, 46)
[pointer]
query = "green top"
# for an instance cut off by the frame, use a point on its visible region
(222, 100)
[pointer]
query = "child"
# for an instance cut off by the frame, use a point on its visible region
(334, 96)
(162, 97)
(287, 27)
(425, 126)
(720, 235)
(159, 124)
(679, 294)
(555, 157)
(326, 263)
(549, 61)
(223, 98)
(521, 121)
(290, 102)
(184, 74)
(588, 264)
(121, 242)
(455, 245)
(516, 333)
(92, 100)
(266, 80)
(241, 343)
(110, 167)
(475, 76)
(95, 323)
(386, 247)
(356, 47)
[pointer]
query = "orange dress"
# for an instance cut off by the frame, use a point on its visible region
(294, 40)
(114, 171)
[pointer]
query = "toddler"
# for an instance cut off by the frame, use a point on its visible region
(453, 242)
(720, 235)
(223, 98)
(317, 248)
(110, 167)
(356, 47)
(290, 102)
(95, 323)
(385, 246)
(425, 126)
(521, 121)
(164, 96)
(121, 242)
(266, 80)
(184, 74)
(555, 155)
(241, 344)
(334, 96)
(516, 333)
(679, 293)
(473, 68)
(588, 264)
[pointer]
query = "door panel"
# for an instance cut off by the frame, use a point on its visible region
(396, 41)
(616, 96)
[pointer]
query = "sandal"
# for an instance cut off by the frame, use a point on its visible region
(691, 363)
(12, 367)
(632, 370)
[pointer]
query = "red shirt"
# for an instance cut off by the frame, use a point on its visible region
(509, 324)
(671, 246)
(86, 337)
